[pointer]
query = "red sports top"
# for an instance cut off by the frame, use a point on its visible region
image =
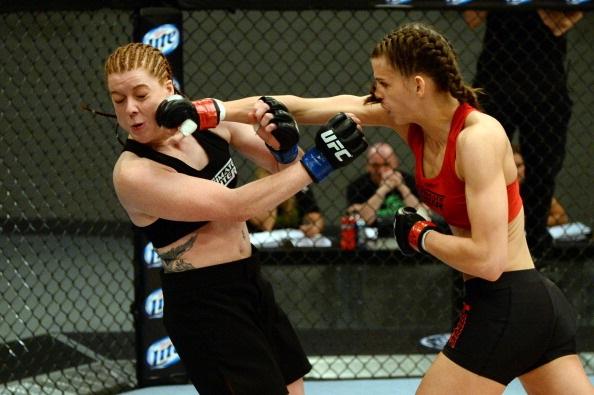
(444, 193)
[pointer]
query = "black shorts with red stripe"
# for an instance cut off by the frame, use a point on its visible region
(511, 326)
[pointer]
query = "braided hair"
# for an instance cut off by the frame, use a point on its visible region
(137, 55)
(416, 48)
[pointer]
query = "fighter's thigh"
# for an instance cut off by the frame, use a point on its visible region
(297, 387)
(564, 375)
(446, 377)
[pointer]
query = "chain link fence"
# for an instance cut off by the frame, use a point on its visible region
(66, 283)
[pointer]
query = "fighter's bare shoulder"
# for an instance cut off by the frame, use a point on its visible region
(481, 145)
(481, 129)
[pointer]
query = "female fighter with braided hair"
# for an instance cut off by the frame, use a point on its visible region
(180, 190)
(514, 322)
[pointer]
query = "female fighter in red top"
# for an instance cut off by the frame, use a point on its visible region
(514, 321)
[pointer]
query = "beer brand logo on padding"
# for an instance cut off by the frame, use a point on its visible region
(153, 305)
(165, 38)
(457, 2)
(397, 2)
(161, 354)
(151, 258)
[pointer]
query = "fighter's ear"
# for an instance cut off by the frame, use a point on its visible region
(170, 87)
(420, 85)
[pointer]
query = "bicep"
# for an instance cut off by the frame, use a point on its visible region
(155, 191)
(486, 200)
(486, 193)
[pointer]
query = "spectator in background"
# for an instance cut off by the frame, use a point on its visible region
(383, 189)
(521, 70)
(557, 214)
(300, 211)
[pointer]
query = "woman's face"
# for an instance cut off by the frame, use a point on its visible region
(396, 92)
(135, 95)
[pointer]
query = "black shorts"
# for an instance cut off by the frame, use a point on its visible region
(229, 332)
(512, 326)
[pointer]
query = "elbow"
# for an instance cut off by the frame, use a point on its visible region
(491, 262)
(492, 253)
(223, 213)
(236, 207)
(494, 268)
(232, 217)
(492, 275)
(243, 216)
(245, 212)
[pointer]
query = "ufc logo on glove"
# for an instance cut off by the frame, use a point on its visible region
(332, 142)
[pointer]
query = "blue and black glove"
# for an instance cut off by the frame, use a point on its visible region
(338, 143)
(286, 132)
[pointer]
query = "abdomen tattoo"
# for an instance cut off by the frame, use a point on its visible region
(172, 261)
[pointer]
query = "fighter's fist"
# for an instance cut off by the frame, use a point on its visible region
(338, 143)
(286, 132)
(177, 111)
(410, 229)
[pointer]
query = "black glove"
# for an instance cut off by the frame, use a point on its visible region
(409, 230)
(286, 132)
(174, 110)
(177, 111)
(338, 143)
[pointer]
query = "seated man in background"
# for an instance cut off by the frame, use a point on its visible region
(301, 212)
(383, 189)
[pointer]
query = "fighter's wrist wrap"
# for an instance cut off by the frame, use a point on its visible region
(210, 111)
(422, 244)
(416, 236)
(316, 164)
(284, 156)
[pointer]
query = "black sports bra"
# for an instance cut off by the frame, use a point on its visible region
(220, 168)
